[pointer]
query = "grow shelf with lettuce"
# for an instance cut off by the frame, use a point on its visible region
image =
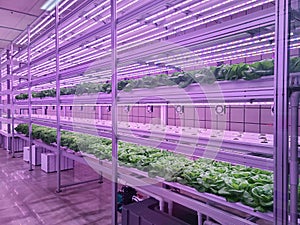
(250, 186)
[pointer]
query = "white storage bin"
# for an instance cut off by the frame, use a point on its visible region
(49, 163)
(19, 145)
(36, 155)
(26, 153)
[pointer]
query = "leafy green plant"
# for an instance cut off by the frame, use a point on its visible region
(236, 183)
(22, 96)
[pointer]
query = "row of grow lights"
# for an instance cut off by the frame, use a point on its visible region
(83, 55)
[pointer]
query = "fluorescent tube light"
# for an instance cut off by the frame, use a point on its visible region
(50, 5)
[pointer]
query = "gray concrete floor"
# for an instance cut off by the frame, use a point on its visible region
(29, 198)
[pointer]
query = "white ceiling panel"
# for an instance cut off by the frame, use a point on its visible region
(14, 20)
(15, 16)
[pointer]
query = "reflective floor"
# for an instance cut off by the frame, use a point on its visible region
(29, 198)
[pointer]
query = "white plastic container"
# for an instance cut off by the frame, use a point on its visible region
(48, 163)
(26, 153)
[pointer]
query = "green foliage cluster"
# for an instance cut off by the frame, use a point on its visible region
(251, 186)
(183, 79)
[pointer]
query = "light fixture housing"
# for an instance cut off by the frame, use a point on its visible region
(149, 108)
(49, 5)
(179, 109)
(127, 108)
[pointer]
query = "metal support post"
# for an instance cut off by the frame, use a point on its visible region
(114, 113)
(99, 108)
(281, 69)
(199, 218)
(1, 110)
(164, 115)
(29, 97)
(58, 135)
(294, 176)
(8, 87)
(12, 106)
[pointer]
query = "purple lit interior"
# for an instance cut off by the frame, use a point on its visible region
(77, 44)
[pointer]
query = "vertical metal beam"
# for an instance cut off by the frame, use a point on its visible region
(58, 155)
(29, 97)
(294, 176)
(8, 87)
(99, 108)
(1, 109)
(281, 99)
(164, 115)
(12, 106)
(114, 112)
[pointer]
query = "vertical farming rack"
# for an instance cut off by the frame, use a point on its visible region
(198, 78)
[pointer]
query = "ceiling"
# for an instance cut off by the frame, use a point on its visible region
(15, 15)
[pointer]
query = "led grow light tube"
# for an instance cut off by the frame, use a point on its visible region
(96, 41)
(146, 40)
(255, 53)
(124, 7)
(96, 8)
(73, 28)
(69, 25)
(208, 62)
(198, 12)
(222, 16)
(132, 37)
(240, 50)
(88, 53)
(220, 54)
(127, 33)
(87, 59)
(224, 54)
(51, 20)
(216, 49)
(85, 21)
(42, 27)
(62, 56)
(122, 70)
(220, 13)
(168, 9)
(243, 42)
(152, 39)
(138, 73)
(81, 31)
(43, 43)
(67, 7)
(91, 44)
(142, 33)
(102, 19)
(181, 11)
(124, 34)
(138, 70)
(162, 36)
(84, 60)
(198, 53)
(44, 20)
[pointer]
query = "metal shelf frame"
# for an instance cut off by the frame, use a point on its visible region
(276, 88)
(236, 152)
(133, 176)
(227, 29)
